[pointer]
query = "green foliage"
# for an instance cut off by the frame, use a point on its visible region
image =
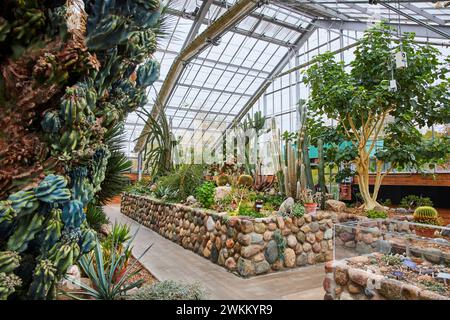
(9, 282)
(140, 188)
(205, 194)
(392, 260)
(298, 210)
(169, 290)
(412, 202)
(115, 180)
(185, 179)
(165, 193)
(119, 236)
(95, 216)
(248, 210)
(274, 200)
(106, 285)
(281, 243)
(373, 214)
(359, 100)
(434, 286)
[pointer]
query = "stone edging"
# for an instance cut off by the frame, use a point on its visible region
(246, 246)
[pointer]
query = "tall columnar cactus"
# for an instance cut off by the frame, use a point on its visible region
(321, 170)
(81, 68)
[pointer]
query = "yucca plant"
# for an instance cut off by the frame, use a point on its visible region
(106, 285)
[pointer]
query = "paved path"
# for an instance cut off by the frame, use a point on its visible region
(167, 260)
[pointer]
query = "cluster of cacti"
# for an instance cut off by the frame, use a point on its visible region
(223, 179)
(426, 215)
(245, 180)
(70, 70)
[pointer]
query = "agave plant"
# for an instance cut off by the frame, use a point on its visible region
(110, 276)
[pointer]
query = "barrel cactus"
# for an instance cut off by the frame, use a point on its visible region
(223, 179)
(426, 215)
(245, 180)
(82, 67)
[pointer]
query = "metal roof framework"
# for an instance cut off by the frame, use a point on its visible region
(223, 55)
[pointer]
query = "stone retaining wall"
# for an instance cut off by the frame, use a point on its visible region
(243, 245)
(343, 282)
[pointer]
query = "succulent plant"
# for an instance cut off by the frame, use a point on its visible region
(245, 180)
(9, 261)
(426, 215)
(223, 179)
(8, 283)
(75, 62)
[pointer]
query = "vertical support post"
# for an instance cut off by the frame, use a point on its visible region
(139, 165)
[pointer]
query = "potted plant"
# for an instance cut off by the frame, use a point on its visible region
(308, 202)
(426, 215)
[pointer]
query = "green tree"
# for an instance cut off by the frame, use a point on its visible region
(360, 100)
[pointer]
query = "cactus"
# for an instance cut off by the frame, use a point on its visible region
(426, 215)
(8, 283)
(245, 180)
(44, 277)
(9, 261)
(321, 170)
(76, 66)
(26, 230)
(223, 179)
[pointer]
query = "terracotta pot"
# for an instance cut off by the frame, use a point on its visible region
(310, 208)
(425, 232)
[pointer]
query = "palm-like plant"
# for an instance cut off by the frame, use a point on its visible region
(106, 284)
(118, 164)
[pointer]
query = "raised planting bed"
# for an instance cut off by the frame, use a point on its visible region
(246, 246)
(385, 277)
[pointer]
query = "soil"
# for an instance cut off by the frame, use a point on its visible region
(144, 274)
(423, 276)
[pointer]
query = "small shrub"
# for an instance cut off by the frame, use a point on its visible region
(169, 290)
(95, 216)
(246, 209)
(205, 194)
(274, 200)
(298, 210)
(434, 286)
(392, 260)
(185, 179)
(411, 202)
(373, 214)
(140, 188)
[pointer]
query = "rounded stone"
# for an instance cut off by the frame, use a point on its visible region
(353, 288)
(230, 264)
(316, 247)
(271, 252)
(229, 243)
(244, 239)
(310, 237)
(341, 276)
(314, 226)
(246, 226)
(291, 241)
(251, 250)
(319, 236)
(328, 234)
(258, 257)
(267, 236)
(272, 226)
(306, 247)
(210, 225)
(256, 238)
(301, 237)
(245, 267)
(260, 227)
(302, 259)
(289, 258)
(262, 267)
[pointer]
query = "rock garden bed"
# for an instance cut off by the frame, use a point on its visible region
(386, 277)
(245, 246)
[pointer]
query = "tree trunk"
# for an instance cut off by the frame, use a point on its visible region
(362, 170)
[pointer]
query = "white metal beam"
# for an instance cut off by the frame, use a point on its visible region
(362, 26)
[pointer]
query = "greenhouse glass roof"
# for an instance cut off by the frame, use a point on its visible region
(236, 72)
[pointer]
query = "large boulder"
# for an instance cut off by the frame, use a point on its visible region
(335, 205)
(287, 205)
(222, 192)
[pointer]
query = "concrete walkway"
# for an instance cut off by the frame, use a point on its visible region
(167, 260)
